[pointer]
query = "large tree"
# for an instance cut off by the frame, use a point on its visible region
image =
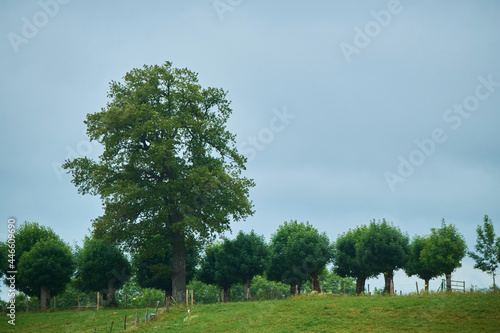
(417, 266)
(444, 251)
(487, 255)
(153, 264)
(102, 268)
(168, 162)
(298, 253)
(384, 249)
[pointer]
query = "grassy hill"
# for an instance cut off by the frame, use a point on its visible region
(315, 313)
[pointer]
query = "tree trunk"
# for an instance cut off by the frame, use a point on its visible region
(426, 284)
(494, 285)
(111, 297)
(448, 281)
(315, 282)
(179, 266)
(388, 278)
(246, 288)
(360, 285)
(227, 294)
(44, 298)
(294, 288)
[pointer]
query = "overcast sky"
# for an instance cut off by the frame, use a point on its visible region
(347, 110)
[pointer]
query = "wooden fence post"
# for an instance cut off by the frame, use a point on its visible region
(168, 301)
(368, 289)
(27, 304)
(187, 297)
(147, 314)
(125, 323)
(111, 329)
(222, 295)
(156, 311)
(391, 288)
(136, 318)
(416, 284)
(344, 288)
(97, 301)
(78, 302)
(192, 297)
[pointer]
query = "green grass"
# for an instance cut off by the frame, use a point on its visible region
(315, 313)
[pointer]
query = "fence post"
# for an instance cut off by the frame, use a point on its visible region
(111, 329)
(167, 304)
(27, 304)
(136, 318)
(149, 298)
(369, 289)
(416, 284)
(391, 288)
(54, 302)
(156, 311)
(192, 297)
(125, 323)
(97, 301)
(187, 297)
(147, 314)
(78, 302)
(344, 288)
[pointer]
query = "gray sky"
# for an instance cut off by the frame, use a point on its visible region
(348, 111)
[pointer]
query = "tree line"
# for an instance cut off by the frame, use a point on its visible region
(296, 254)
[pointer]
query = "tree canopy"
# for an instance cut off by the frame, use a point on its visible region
(416, 265)
(101, 268)
(487, 255)
(298, 252)
(168, 162)
(444, 251)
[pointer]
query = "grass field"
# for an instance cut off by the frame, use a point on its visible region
(315, 313)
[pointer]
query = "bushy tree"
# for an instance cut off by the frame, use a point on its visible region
(487, 255)
(250, 255)
(168, 162)
(102, 268)
(217, 267)
(45, 270)
(444, 250)
(27, 236)
(333, 283)
(298, 253)
(347, 259)
(383, 248)
(416, 265)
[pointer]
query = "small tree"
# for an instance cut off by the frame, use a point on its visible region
(298, 252)
(101, 268)
(347, 259)
(487, 246)
(383, 248)
(417, 266)
(217, 267)
(45, 270)
(250, 254)
(444, 250)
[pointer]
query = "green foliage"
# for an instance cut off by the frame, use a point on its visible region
(168, 159)
(249, 255)
(335, 284)
(101, 266)
(487, 247)
(346, 257)
(444, 249)
(298, 251)
(218, 266)
(416, 265)
(47, 264)
(152, 264)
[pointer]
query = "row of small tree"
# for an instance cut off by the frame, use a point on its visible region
(296, 253)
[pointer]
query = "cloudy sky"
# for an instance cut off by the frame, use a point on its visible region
(347, 110)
